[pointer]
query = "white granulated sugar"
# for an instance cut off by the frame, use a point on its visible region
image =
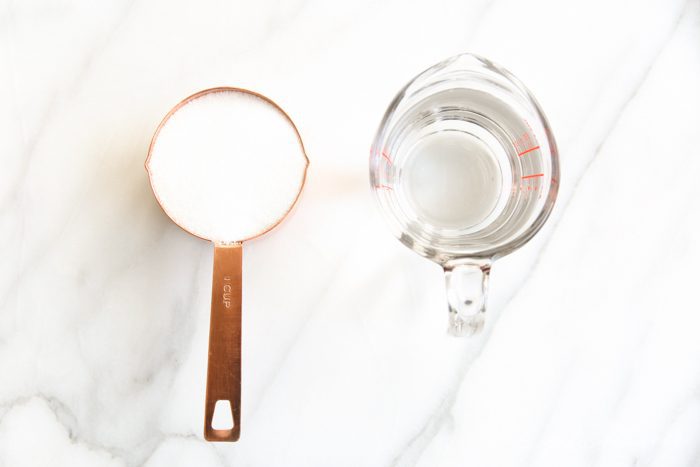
(227, 166)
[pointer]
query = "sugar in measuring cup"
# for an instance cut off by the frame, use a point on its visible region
(465, 169)
(227, 165)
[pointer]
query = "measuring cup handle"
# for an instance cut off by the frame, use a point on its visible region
(224, 367)
(467, 286)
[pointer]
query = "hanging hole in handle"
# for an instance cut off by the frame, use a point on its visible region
(223, 416)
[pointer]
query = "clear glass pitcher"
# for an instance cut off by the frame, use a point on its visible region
(465, 168)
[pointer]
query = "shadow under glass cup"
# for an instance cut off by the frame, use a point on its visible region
(465, 168)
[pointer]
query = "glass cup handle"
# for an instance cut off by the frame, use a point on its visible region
(467, 287)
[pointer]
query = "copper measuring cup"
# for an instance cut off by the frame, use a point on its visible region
(224, 365)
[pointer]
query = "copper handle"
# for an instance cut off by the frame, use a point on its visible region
(224, 369)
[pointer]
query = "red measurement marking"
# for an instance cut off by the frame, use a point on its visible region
(385, 187)
(523, 187)
(532, 176)
(528, 150)
(386, 156)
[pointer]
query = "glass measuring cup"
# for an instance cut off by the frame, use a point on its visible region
(465, 168)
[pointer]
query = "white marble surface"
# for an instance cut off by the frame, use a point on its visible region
(592, 352)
